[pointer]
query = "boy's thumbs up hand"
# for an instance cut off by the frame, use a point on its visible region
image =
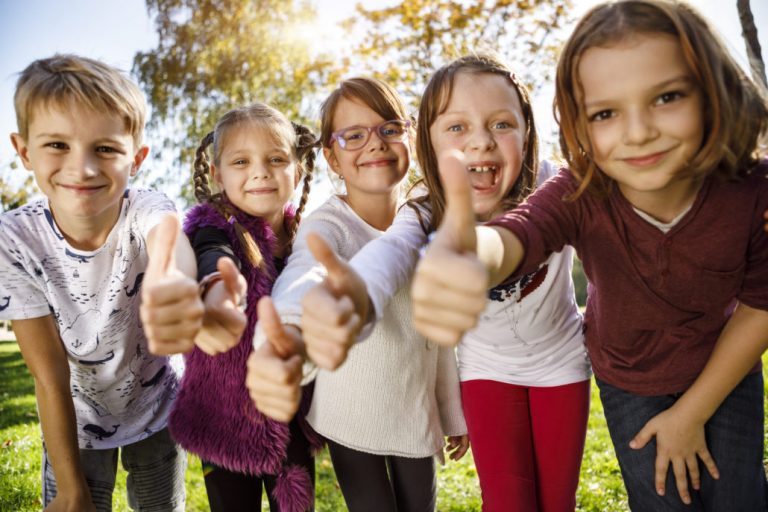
(333, 311)
(171, 310)
(224, 320)
(450, 285)
(274, 369)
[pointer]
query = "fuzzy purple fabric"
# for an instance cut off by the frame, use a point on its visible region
(290, 490)
(213, 415)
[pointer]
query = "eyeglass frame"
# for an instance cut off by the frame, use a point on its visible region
(336, 136)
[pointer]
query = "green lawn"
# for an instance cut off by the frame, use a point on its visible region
(600, 490)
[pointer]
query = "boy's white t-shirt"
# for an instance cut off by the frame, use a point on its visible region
(121, 392)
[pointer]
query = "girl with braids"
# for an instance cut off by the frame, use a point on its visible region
(386, 411)
(244, 215)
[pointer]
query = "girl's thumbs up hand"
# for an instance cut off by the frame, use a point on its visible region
(333, 311)
(449, 287)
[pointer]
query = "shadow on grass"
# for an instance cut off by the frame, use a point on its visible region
(17, 388)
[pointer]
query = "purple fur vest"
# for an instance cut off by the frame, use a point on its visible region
(213, 415)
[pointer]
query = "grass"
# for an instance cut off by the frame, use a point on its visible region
(600, 489)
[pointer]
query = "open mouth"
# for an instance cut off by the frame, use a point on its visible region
(483, 176)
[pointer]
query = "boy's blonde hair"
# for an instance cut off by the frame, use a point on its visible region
(63, 80)
(735, 111)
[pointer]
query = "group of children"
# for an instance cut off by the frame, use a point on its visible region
(360, 305)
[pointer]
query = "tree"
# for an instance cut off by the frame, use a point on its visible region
(749, 32)
(12, 196)
(213, 55)
(405, 43)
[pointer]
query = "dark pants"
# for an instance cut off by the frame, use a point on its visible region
(384, 483)
(734, 436)
(229, 491)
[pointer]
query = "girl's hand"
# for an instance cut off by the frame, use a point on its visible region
(680, 441)
(224, 321)
(457, 446)
(171, 308)
(274, 369)
(333, 311)
(450, 285)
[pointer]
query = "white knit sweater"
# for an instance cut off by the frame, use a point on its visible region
(396, 394)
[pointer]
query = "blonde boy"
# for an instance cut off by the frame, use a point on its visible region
(71, 267)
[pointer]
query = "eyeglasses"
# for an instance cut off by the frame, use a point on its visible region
(356, 137)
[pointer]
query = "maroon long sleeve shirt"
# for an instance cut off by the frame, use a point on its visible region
(657, 302)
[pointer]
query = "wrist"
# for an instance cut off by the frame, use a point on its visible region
(207, 282)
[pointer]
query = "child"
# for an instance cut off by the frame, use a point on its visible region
(386, 411)
(660, 123)
(71, 266)
(524, 370)
(258, 159)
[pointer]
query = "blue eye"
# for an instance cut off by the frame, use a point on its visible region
(105, 149)
(455, 128)
(669, 97)
(502, 125)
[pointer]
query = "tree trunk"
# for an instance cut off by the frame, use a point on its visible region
(749, 32)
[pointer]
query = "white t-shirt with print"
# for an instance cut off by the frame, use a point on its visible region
(121, 392)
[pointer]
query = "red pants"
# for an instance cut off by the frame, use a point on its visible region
(527, 443)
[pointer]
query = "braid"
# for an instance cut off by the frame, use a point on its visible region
(202, 169)
(306, 145)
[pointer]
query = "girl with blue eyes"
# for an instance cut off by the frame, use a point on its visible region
(664, 200)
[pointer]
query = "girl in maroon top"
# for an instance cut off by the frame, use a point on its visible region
(664, 202)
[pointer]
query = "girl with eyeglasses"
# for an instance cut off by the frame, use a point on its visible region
(386, 411)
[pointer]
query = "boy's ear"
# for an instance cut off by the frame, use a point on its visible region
(138, 159)
(20, 145)
(330, 157)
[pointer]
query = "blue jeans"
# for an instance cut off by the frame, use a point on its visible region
(155, 481)
(734, 436)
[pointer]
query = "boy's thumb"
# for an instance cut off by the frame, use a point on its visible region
(458, 224)
(162, 255)
(273, 328)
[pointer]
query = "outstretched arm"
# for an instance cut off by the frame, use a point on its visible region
(46, 359)
(679, 430)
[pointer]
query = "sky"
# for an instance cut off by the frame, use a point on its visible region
(114, 30)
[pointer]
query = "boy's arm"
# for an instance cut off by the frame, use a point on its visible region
(171, 307)
(44, 354)
(450, 285)
(679, 430)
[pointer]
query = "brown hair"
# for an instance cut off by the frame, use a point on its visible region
(376, 94)
(735, 113)
(62, 80)
(298, 137)
(435, 100)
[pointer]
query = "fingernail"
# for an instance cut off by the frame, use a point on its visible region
(660, 491)
(632, 444)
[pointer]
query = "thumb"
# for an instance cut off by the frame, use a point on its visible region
(323, 253)
(273, 328)
(458, 225)
(162, 254)
(232, 278)
(643, 437)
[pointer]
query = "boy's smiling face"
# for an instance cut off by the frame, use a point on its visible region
(81, 161)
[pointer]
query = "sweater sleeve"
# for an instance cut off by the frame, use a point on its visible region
(546, 222)
(386, 264)
(449, 393)
(755, 281)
